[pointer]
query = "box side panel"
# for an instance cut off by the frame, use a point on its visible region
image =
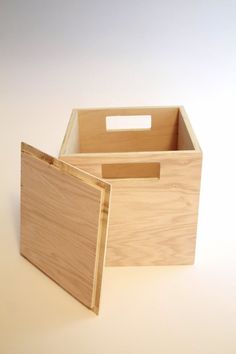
(187, 139)
(70, 144)
(184, 138)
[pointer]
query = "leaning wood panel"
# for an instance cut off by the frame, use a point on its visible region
(64, 223)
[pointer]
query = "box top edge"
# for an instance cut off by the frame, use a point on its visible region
(77, 109)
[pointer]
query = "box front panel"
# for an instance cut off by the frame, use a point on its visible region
(153, 221)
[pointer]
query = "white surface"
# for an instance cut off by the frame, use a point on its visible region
(56, 55)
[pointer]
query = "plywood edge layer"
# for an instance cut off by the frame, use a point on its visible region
(65, 167)
(101, 248)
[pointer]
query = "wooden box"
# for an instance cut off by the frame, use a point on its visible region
(125, 195)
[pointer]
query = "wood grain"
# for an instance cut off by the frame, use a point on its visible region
(64, 215)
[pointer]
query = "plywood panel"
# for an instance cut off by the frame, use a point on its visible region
(64, 215)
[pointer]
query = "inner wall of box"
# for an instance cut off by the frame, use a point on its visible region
(88, 132)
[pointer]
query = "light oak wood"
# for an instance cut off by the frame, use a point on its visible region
(152, 221)
(64, 218)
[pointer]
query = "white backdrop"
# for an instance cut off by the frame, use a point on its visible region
(56, 55)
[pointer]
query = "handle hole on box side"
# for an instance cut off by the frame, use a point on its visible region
(128, 122)
(131, 170)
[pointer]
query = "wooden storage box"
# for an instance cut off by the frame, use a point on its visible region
(155, 178)
(72, 220)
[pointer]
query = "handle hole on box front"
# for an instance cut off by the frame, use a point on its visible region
(131, 170)
(129, 122)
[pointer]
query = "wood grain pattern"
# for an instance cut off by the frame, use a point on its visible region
(64, 215)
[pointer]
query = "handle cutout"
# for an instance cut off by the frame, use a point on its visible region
(130, 122)
(131, 170)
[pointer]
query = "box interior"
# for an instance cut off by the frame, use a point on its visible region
(133, 130)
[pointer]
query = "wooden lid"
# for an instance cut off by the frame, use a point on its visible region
(64, 219)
